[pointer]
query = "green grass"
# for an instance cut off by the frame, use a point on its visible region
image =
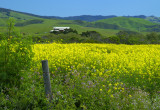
(21, 16)
(48, 25)
(133, 24)
(3, 22)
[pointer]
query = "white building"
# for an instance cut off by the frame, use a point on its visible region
(59, 29)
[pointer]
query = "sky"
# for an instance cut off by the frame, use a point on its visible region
(65, 8)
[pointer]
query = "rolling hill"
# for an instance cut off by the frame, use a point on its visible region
(106, 25)
(134, 24)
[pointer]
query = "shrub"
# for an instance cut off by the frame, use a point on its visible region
(113, 39)
(15, 56)
(153, 38)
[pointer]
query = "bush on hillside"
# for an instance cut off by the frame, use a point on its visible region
(15, 56)
(112, 39)
(92, 34)
(130, 37)
(153, 38)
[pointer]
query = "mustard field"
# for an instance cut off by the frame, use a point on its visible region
(100, 74)
(101, 59)
(84, 77)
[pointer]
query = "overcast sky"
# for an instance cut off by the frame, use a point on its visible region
(65, 8)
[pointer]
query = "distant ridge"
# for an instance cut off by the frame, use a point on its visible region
(9, 10)
(88, 18)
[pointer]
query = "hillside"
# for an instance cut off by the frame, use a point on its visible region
(134, 24)
(106, 25)
(123, 23)
(29, 23)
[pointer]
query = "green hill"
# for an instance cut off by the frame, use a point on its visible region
(29, 23)
(134, 24)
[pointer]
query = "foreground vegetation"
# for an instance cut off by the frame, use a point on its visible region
(83, 76)
(90, 76)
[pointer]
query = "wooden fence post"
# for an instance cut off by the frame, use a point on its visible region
(46, 77)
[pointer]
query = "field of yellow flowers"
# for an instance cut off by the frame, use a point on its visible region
(103, 74)
(101, 59)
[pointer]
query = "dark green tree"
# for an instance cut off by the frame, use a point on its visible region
(123, 37)
(113, 39)
(153, 38)
(92, 34)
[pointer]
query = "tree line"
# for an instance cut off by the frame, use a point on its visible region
(122, 37)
